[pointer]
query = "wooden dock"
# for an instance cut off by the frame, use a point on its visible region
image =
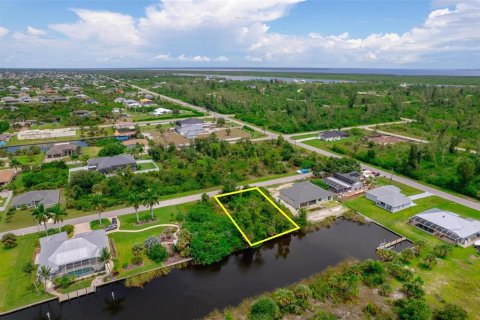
(388, 245)
(76, 294)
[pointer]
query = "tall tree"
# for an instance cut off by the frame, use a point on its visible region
(135, 200)
(57, 213)
(151, 197)
(98, 203)
(45, 272)
(41, 216)
(105, 257)
(29, 269)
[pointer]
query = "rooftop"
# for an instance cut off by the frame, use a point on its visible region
(305, 191)
(462, 227)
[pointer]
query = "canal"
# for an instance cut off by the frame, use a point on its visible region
(195, 291)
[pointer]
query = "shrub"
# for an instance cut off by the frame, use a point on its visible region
(137, 249)
(303, 293)
(264, 309)
(414, 289)
(69, 229)
(385, 290)
(372, 309)
(442, 250)
(157, 253)
(373, 273)
(407, 255)
(64, 281)
(450, 312)
(429, 261)
(286, 300)
(408, 309)
(399, 272)
(9, 240)
(150, 242)
(137, 260)
(323, 315)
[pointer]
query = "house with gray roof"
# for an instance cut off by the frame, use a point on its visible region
(389, 198)
(61, 150)
(304, 194)
(32, 199)
(448, 226)
(78, 256)
(109, 164)
(344, 182)
(332, 135)
(189, 128)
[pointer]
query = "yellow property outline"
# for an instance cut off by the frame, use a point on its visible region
(269, 200)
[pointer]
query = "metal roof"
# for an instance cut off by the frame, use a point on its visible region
(390, 195)
(305, 191)
(452, 222)
(57, 250)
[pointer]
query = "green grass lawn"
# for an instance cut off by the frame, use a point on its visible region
(77, 285)
(406, 190)
(456, 278)
(146, 166)
(123, 243)
(164, 215)
(15, 142)
(16, 288)
(304, 136)
(92, 152)
(33, 160)
(95, 224)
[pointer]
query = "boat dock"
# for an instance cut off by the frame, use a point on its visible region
(388, 245)
(76, 294)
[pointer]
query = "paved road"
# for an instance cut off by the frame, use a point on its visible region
(270, 135)
(165, 203)
(464, 201)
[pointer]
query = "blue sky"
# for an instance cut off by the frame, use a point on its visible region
(267, 33)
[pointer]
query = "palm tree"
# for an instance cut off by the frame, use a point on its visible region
(151, 198)
(15, 163)
(98, 203)
(57, 213)
(105, 257)
(45, 272)
(40, 215)
(135, 200)
(29, 268)
(74, 157)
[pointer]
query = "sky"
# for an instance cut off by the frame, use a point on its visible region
(400, 34)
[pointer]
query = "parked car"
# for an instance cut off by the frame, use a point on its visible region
(303, 171)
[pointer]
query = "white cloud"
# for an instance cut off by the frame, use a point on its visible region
(221, 59)
(253, 58)
(236, 31)
(162, 57)
(190, 14)
(35, 32)
(106, 27)
(3, 31)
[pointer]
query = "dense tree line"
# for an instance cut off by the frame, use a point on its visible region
(207, 163)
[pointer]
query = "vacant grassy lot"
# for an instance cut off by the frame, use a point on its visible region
(165, 215)
(305, 136)
(16, 288)
(124, 242)
(454, 278)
